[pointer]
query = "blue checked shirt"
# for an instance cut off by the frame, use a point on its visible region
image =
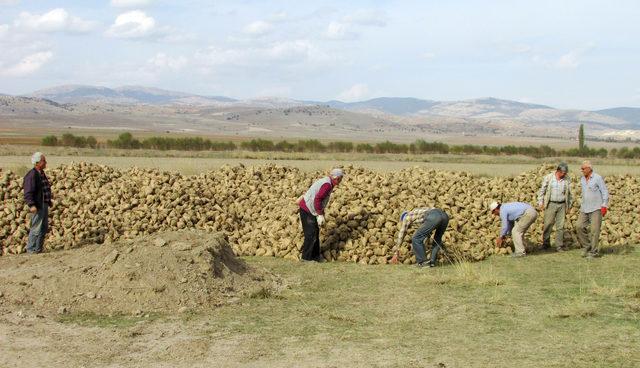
(509, 213)
(594, 193)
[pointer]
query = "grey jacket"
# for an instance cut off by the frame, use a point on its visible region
(544, 194)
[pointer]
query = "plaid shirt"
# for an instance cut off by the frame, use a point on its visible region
(416, 215)
(37, 188)
(46, 188)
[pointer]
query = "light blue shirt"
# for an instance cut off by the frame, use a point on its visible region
(594, 193)
(509, 213)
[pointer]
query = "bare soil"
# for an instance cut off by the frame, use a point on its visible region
(164, 273)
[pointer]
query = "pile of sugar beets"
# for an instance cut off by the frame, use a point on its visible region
(255, 207)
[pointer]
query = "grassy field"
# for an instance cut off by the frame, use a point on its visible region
(17, 158)
(547, 310)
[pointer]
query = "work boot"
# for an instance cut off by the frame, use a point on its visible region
(518, 255)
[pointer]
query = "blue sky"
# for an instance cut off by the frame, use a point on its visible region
(567, 54)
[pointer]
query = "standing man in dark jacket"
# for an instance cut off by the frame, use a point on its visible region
(312, 205)
(37, 195)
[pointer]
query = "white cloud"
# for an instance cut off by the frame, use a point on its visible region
(345, 28)
(130, 3)
(427, 55)
(340, 31)
(28, 65)
(295, 54)
(258, 28)
(521, 48)
(56, 20)
(132, 24)
(162, 61)
(357, 92)
(279, 17)
(9, 2)
(367, 17)
(570, 60)
(291, 51)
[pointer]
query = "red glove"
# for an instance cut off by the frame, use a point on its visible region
(603, 210)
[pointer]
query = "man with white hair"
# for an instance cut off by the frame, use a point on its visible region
(37, 195)
(554, 198)
(595, 201)
(312, 205)
(516, 219)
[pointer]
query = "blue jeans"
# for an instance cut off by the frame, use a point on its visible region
(39, 228)
(437, 220)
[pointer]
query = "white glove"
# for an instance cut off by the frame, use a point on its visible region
(320, 220)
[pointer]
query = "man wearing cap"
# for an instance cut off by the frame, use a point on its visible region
(554, 198)
(516, 218)
(37, 195)
(312, 205)
(430, 219)
(595, 201)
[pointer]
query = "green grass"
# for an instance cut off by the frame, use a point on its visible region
(547, 310)
(87, 319)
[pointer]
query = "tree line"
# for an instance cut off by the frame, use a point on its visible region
(420, 146)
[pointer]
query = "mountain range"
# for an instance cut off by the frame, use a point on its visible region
(404, 114)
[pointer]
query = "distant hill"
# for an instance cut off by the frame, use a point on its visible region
(389, 105)
(163, 110)
(125, 95)
(629, 114)
(415, 106)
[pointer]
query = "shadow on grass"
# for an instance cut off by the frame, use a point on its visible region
(265, 293)
(618, 249)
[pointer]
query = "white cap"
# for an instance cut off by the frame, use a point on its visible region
(493, 206)
(337, 172)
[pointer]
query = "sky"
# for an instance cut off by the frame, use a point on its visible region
(567, 54)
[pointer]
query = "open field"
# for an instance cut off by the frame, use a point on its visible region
(192, 166)
(17, 158)
(20, 133)
(548, 310)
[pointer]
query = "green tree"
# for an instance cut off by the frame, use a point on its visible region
(581, 138)
(50, 140)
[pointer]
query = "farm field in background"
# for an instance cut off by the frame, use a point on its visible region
(17, 158)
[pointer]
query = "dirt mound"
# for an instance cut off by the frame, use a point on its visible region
(166, 272)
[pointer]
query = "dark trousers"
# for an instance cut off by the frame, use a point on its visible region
(437, 220)
(311, 245)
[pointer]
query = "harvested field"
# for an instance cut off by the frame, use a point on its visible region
(547, 310)
(490, 166)
(255, 208)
